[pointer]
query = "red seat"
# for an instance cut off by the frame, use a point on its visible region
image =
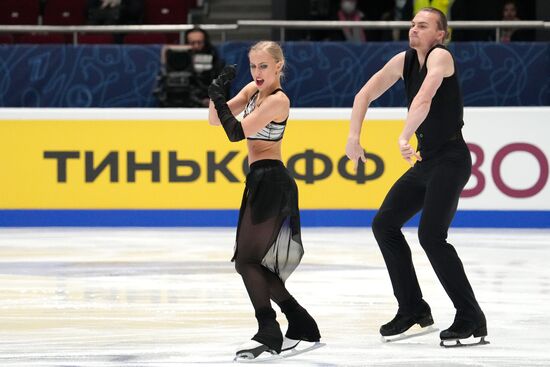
(166, 11)
(19, 11)
(94, 38)
(172, 38)
(146, 38)
(5, 39)
(42, 38)
(65, 12)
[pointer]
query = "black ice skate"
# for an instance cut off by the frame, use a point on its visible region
(301, 327)
(268, 339)
(254, 352)
(266, 345)
(463, 333)
(397, 328)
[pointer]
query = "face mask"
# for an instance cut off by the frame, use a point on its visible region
(348, 6)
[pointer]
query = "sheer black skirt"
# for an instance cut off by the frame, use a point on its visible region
(268, 232)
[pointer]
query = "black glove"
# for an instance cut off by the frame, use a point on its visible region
(216, 90)
(227, 75)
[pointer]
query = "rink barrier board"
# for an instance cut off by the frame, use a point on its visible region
(228, 218)
(495, 197)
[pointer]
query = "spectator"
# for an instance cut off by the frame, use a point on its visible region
(399, 11)
(103, 12)
(475, 10)
(108, 12)
(348, 12)
(131, 11)
(442, 5)
(510, 12)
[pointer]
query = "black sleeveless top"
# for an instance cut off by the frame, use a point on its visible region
(445, 118)
(273, 131)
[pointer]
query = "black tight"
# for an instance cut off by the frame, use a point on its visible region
(253, 242)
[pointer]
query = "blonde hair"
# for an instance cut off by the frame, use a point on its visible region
(272, 48)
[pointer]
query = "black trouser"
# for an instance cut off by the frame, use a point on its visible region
(433, 186)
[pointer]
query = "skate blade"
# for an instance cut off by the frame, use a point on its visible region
(458, 343)
(253, 351)
(303, 347)
(289, 344)
(287, 354)
(249, 357)
(411, 333)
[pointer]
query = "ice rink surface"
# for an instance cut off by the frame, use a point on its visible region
(170, 297)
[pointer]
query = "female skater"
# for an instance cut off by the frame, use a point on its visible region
(268, 245)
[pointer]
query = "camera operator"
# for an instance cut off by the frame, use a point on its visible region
(205, 57)
(187, 71)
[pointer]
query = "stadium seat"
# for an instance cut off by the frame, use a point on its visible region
(146, 38)
(6, 39)
(96, 38)
(19, 12)
(65, 12)
(166, 11)
(52, 38)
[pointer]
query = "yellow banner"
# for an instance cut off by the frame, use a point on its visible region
(184, 164)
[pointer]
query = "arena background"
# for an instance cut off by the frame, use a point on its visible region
(318, 74)
(87, 159)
